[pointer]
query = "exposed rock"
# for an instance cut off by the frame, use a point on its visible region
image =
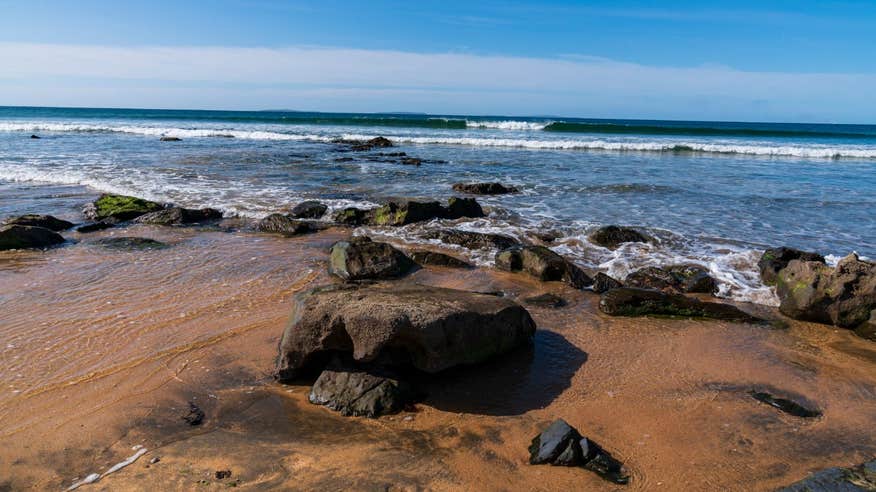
(785, 405)
(131, 243)
(311, 209)
(861, 478)
(843, 296)
(542, 263)
(546, 300)
(613, 236)
(867, 329)
(95, 226)
(360, 258)
(44, 221)
(377, 142)
(472, 240)
(428, 328)
(438, 259)
(351, 216)
(222, 474)
(170, 139)
(676, 278)
(25, 237)
(179, 216)
(119, 207)
(35, 137)
(195, 415)
(284, 225)
(775, 259)
(356, 392)
(628, 301)
(407, 212)
(562, 445)
(484, 188)
(463, 207)
(604, 283)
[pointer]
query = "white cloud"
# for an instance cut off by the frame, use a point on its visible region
(373, 80)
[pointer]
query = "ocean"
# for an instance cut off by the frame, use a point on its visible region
(711, 193)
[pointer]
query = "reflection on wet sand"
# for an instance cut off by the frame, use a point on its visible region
(103, 350)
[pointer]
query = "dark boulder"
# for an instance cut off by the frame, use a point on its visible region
(179, 216)
(843, 296)
(360, 258)
(458, 208)
(35, 137)
(562, 445)
(613, 236)
(775, 259)
(195, 416)
(542, 263)
(119, 207)
(676, 278)
(131, 243)
(604, 283)
(310, 209)
(438, 259)
(26, 237)
(95, 226)
(406, 212)
(374, 143)
(484, 188)
(44, 221)
(472, 240)
(627, 301)
(546, 300)
(357, 392)
(284, 225)
(428, 328)
(170, 139)
(861, 478)
(352, 216)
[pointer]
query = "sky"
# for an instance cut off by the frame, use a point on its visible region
(803, 60)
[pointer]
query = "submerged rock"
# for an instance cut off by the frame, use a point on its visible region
(843, 296)
(131, 243)
(785, 405)
(179, 216)
(861, 478)
(484, 188)
(27, 237)
(438, 259)
(120, 207)
(542, 263)
(604, 283)
(613, 236)
(360, 258)
(628, 301)
(473, 240)
(428, 328)
(675, 278)
(310, 209)
(562, 445)
(357, 392)
(44, 221)
(774, 260)
(284, 225)
(546, 300)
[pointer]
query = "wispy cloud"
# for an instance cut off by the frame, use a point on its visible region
(371, 80)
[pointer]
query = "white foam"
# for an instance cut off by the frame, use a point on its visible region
(508, 125)
(94, 477)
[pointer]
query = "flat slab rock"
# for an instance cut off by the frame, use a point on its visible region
(428, 328)
(562, 445)
(627, 301)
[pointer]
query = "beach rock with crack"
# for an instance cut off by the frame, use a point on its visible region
(844, 296)
(119, 207)
(285, 225)
(16, 236)
(438, 259)
(604, 283)
(310, 209)
(353, 391)
(861, 478)
(613, 236)
(773, 260)
(562, 445)
(45, 221)
(426, 328)
(629, 301)
(472, 240)
(179, 216)
(360, 258)
(484, 188)
(542, 263)
(675, 278)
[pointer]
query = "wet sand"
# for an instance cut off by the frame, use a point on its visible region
(102, 351)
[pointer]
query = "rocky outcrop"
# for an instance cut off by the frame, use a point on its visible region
(352, 216)
(179, 216)
(676, 278)
(44, 221)
(562, 445)
(428, 328)
(119, 207)
(861, 478)
(484, 188)
(131, 243)
(542, 263)
(437, 259)
(472, 240)
(628, 301)
(604, 283)
(27, 237)
(285, 226)
(357, 392)
(775, 259)
(360, 258)
(843, 296)
(613, 236)
(310, 209)
(374, 143)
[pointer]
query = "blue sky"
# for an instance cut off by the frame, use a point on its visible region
(744, 60)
